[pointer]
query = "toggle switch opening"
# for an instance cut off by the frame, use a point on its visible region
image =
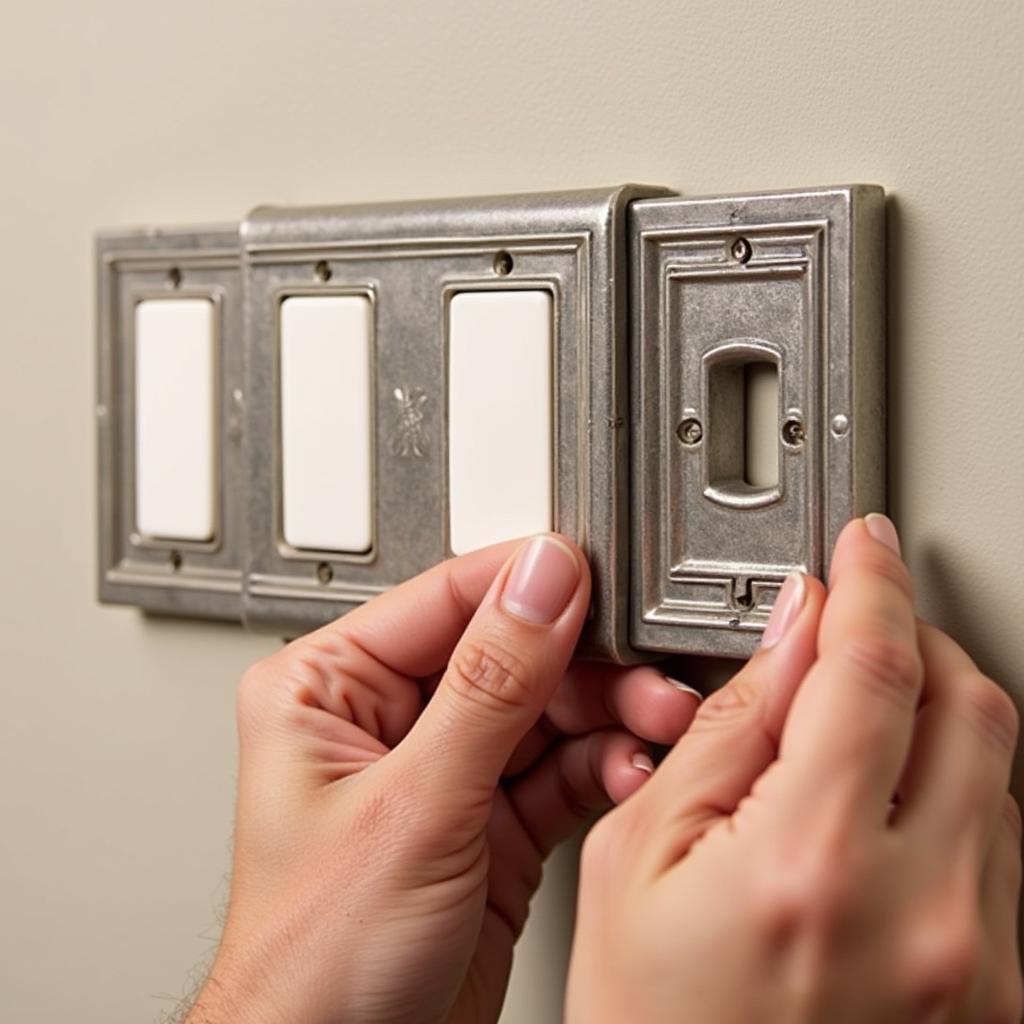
(760, 416)
(742, 441)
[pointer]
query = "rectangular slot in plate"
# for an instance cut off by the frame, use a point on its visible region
(727, 288)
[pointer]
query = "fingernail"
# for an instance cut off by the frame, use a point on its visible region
(543, 578)
(682, 686)
(883, 530)
(642, 762)
(787, 608)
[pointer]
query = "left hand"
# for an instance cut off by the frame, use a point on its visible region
(388, 838)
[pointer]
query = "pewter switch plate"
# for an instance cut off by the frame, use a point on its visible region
(410, 260)
(793, 283)
(656, 313)
(191, 576)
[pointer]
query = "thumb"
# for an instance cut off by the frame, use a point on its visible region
(735, 734)
(504, 668)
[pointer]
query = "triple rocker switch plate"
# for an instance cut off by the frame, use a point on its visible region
(658, 310)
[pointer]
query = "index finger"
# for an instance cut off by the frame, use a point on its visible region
(850, 728)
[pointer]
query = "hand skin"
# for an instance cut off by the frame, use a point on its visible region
(767, 873)
(404, 773)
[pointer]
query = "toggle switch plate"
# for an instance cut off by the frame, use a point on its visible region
(795, 280)
(171, 486)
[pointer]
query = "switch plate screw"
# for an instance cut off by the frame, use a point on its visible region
(793, 433)
(690, 431)
(741, 250)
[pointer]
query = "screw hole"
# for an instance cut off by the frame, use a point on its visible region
(175, 559)
(323, 271)
(793, 433)
(690, 431)
(174, 277)
(741, 250)
(324, 573)
(503, 263)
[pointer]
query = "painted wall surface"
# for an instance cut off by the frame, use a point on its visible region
(117, 744)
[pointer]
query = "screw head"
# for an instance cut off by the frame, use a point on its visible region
(690, 431)
(174, 277)
(793, 433)
(324, 573)
(175, 560)
(741, 250)
(840, 425)
(322, 271)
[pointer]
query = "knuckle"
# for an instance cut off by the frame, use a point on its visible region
(484, 669)
(944, 964)
(885, 664)
(988, 707)
(253, 689)
(811, 891)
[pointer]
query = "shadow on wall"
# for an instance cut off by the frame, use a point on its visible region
(947, 577)
(940, 571)
(896, 369)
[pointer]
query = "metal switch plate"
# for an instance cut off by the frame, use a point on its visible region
(411, 260)
(162, 574)
(657, 305)
(794, 280)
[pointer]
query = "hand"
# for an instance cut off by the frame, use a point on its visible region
(766, 872)
(388, 841)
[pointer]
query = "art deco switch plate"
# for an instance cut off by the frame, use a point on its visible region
(437, 281)
(171, 485)
(790, 285)
(300, 413)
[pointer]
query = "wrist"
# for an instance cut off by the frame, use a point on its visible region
(234, 994)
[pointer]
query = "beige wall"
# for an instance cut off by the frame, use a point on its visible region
(116, 733)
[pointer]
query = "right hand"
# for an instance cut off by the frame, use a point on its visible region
(831, 841)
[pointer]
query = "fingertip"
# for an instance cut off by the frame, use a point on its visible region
(674, 707)
(883, 530)
(860, 536)
(627, 765)
(795, 616)
(652, 705)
